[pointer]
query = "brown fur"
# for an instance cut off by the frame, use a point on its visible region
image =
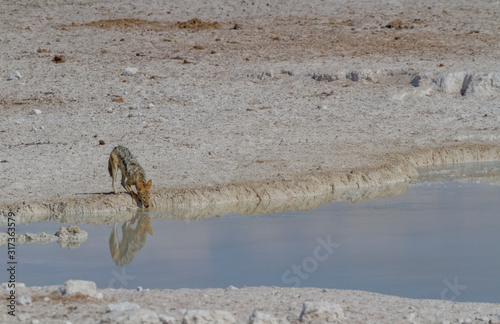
(132, 174)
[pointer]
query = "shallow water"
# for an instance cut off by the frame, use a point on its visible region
(437, 240)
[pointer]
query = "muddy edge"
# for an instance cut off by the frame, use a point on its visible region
(395, 168)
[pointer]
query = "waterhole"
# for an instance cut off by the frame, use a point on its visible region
(437, 238)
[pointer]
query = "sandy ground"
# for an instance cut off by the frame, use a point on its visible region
(240, 101)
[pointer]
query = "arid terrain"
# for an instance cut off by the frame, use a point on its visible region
(239, 101)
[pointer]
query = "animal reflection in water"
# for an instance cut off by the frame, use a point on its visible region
(133, 239)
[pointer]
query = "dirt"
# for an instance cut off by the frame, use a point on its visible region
(243, 103)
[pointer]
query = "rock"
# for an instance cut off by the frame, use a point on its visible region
(317, 312)
(59, 59)
(36, 112)
(416, 81)
(482, 84)
(325, 77)
(130, 71)
(261, 318)
(450, 82)
(206, 317)
(131, 316)
(231, 288)
(82, 287)
(42, 237)
(353, 76)
(120, 307)
(151, 105)
(24, 300)
(266, 74)
(15, 76)
(23, 317)
(166, 319)
(71, 233)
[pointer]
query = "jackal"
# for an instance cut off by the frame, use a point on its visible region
(132, 174)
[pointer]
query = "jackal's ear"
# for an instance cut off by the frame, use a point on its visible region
(148, 185)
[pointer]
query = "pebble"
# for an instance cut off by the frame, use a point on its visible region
(120, 307)
(24, 300)
(261, 318)
(36, 112)
(205, 317)
(72, 287)
(23, 317)
(316, 312)
(151, 105)
(132, 316)
(166, 319)
(15, 76)
(130, 71)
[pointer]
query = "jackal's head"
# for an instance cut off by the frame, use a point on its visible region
(143, 193)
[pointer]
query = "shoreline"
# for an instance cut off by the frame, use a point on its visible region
(398, 168)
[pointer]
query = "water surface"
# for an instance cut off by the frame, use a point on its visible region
(437, 240)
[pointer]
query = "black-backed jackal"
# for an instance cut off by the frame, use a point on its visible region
(132, 174)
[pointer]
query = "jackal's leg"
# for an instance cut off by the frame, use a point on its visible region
(132, 193)
(113, 168)
(124, 184)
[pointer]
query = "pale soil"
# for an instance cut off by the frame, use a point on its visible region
(258, 100)
(284, 304)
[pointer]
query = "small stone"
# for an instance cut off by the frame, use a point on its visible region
(36, 112)
(262, 318)
(23, 317)
(230, 287)
(317, 312)
(139, 288)
(120, 307)
(151, 105)
(109, 110)
(59, 59)
(101, 142)
(73, 287)
(130, 71)
(131, 316)
(206, 317)
(15, 76)
(24, 300)
(166, 319)
(46, 299)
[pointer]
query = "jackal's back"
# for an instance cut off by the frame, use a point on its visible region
(128, 163)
